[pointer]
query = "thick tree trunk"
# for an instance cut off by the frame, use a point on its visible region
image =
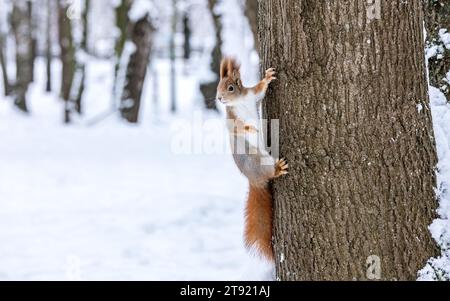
(251, 12)
(437, 20)
(142, 37)
(209, 89)
(21, 27)
(67, 57)
(355, 127)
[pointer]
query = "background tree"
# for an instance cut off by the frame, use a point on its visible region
(437, 20)
(3, 65)
(81, 58)
(251, 12)
(355, 127)
(209, 89)
(142, 36)
(173, 57)
(21, 27)
(48, 45)
(187, 33)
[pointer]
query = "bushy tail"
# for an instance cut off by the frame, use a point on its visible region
(259, 215)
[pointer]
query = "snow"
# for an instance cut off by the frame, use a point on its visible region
(112, 201)
(439, 268)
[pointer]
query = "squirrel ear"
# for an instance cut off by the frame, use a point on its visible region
(223, 68)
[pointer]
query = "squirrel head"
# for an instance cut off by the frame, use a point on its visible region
(230, 86)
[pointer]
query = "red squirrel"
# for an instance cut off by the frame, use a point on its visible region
(253, 160)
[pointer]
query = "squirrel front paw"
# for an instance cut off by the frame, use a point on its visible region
(281, 168)
(270, 75)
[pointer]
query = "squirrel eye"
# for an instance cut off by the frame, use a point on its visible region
(230, 88)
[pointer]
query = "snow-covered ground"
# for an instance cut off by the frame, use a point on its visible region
(112, 201)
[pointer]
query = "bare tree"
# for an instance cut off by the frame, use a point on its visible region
(48, 45)
(67, 57)
(173, 75)
(3, 65)
(80, 72)
(209, 89)
(142, 37)
(21, 27)
(355, 127)
(251, 12)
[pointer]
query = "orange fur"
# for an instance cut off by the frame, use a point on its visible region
(258, 227)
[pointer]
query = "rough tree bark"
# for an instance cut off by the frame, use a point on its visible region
(142, 37)
(355, 127)
(209, 89)
(67, 57)
(21, 26)
(437, 19)
(251, 12)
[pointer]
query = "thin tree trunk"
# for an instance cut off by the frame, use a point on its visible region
(3, 66)
(81, 66)
(187, 32)
(22, 32)
(173, 75)
(355, 127)
(122, 24)
(209, 89)
(32, 37)
(142, 37)
(67, 57)
(251, 12)
(48, 46)
(437, 20)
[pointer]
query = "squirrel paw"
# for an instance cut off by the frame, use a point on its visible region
(270, 75)
(281, 168)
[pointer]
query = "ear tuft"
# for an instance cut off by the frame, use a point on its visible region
(229, 67)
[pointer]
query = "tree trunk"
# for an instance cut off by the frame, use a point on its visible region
(80, 74)
(32, 37)
(251, 12)
(437, 20)
(172, 46)
(48, 46)
(187, 33)
(355, 127)
(22, 32)
(141, 36)
(67, 57)
(122, 24)
(3, 66)
(209, 89)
